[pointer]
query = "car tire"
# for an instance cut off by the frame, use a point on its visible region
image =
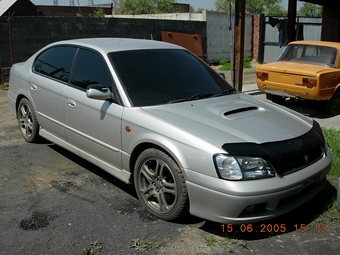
(278, 99)
(160, 185)
(332, 106)
(27, 121)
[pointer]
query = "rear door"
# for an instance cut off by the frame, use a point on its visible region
(93, 126)
(51, 71)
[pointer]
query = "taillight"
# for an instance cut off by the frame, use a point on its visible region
(309, 82)
(262, 75)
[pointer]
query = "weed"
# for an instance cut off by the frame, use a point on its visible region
(95, 247)
(140, 245)
(4, 86)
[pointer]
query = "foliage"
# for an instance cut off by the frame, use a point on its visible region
(268, 7)
(95, 247)
(310, 10)
(332, 137)
(4, 86)
(98, 13)
(247, 63)
(134, 7)
(226, 65)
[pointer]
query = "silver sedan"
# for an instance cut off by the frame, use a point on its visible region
(153, 114)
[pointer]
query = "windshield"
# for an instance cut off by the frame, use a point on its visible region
(152, 77)
(311, 54)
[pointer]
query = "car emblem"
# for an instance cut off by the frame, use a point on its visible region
(305, 157)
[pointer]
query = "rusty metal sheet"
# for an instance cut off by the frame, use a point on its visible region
(192, 42)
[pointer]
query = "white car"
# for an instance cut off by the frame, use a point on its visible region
(155, 115)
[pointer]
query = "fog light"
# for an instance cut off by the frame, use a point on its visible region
(251, 209)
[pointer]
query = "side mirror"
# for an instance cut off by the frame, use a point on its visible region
(222, 75)
(98, 92)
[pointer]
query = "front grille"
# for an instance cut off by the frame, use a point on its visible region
(300, 160)
(286, 156)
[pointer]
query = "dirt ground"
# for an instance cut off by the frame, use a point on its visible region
(53, 202)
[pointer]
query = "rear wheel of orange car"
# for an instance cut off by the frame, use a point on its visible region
(160, 185)
(333, 105)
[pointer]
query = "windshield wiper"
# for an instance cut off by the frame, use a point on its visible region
(193, 97)
(227, 91)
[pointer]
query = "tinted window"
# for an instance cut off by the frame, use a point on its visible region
(152, 77)
(90, 68)
(55, 62)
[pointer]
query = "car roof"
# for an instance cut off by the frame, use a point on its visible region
(117, 44)
(320, 43)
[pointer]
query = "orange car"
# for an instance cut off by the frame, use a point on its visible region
(305, 70)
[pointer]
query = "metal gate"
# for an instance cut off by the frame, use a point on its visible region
(274, 35)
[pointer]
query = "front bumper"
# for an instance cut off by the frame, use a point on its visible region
(226, 201)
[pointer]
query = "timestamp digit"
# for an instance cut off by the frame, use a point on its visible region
(300, 228)
(320, 228)
(228, 229)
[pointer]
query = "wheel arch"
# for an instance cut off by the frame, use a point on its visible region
(144, 146)
(17, 102)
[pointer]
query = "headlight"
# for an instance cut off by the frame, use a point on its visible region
(242, 168)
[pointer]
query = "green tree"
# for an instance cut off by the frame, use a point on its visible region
(134, 7)
(276, 10)
(254, 6)
(98, 13)
(310, 10)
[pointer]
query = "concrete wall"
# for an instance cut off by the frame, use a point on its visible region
(32, 33)
(220, 37)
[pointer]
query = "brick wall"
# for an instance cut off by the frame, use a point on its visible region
(331, 24)
(29, 34)
(256, 35)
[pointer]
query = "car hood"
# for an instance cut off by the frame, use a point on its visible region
(293, 68)
(234, 118)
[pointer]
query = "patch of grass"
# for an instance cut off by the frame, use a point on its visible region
(145, 246)
(332, 137)
(95, 247)
(330, 213)
(210, 241)
(226, 65)
(4, 86)
(246, 63)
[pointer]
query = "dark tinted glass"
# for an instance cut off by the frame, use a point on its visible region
(40, 60)
(55, 62)
(90, 68)
(152, 77)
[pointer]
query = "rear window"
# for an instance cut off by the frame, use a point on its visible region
(55, 62)
(311, 54)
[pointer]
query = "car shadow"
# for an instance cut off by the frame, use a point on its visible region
(298, 220)
(128, 188)
(313, 109)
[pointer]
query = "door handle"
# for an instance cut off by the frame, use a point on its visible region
(33, 87)
(71, 103)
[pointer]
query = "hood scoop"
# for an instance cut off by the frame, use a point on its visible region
(242, 112)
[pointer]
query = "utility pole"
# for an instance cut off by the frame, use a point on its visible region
(240, 11)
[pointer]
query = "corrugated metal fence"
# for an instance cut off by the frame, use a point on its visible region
(274, 37)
